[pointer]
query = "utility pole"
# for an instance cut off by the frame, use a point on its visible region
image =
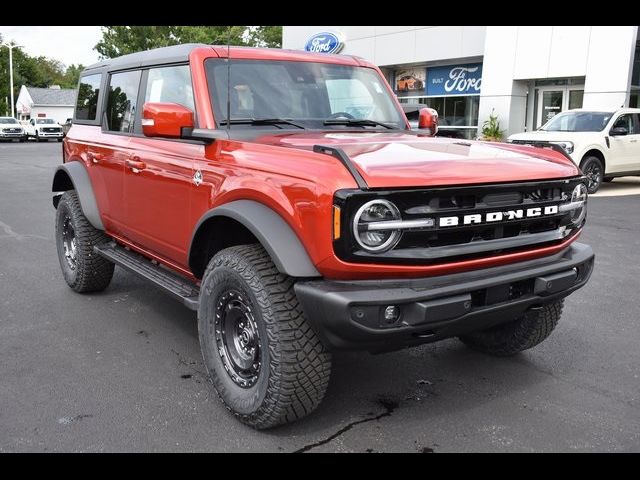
(11, 47)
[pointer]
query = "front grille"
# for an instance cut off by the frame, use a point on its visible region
(464, 241)
(51, 129)
(11, 130)
(531, 142)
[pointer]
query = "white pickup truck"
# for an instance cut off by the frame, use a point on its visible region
(42, 129)
(604, 144)
(11, 130)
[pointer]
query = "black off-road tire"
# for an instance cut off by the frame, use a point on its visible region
(92, 273)
(514, 337)
(295, 367)
(594, 170)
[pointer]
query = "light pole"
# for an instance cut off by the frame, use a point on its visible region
(11, 47)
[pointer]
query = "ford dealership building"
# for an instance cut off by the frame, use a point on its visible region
(524, 74)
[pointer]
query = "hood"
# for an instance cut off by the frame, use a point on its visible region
(398, 159)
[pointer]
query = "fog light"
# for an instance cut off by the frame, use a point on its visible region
(391, 314)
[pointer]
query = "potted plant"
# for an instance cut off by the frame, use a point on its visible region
(491, 129)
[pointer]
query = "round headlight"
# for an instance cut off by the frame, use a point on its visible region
(579, 196)
(378, 240)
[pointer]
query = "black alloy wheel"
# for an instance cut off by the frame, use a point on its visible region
(593, 170)
(237, 338)
(69, 242)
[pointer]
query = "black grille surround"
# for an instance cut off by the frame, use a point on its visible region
(438, 245)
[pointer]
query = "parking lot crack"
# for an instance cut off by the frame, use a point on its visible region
(389, 406)
(10, 233)
(190, 365)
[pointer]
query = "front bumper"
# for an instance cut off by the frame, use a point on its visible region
(12, 135)
(50, 134)
(349, 315)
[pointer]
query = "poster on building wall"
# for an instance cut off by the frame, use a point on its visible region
(410, 80)
(454, 80)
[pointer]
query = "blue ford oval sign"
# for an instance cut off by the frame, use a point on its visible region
(324, 42)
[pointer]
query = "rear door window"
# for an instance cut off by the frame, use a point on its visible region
(122, 101)
(87, 102)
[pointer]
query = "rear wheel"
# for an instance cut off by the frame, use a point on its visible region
(521, 334)
(82, 268)
(594, 171)
(265, 361)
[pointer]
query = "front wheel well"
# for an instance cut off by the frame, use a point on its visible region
(215, 234)
(61, 183)
(594, 153)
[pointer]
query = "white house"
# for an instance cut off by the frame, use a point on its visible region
(525, 74)
(53, 102)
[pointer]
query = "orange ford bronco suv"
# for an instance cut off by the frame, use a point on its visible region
(283, 196)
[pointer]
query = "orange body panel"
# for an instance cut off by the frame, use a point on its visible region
(155, 210)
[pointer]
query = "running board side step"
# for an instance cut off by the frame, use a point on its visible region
(172, 283)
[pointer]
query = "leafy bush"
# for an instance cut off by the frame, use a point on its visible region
(491, 129)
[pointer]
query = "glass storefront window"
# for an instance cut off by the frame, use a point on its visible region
(457, 115)
(635, 73)
(575, 98)
(548, 82)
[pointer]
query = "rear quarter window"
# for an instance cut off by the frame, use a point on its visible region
(87, 102)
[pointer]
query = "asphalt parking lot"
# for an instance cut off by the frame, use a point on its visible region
(122, 370)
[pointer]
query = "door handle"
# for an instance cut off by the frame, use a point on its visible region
(135, 164)
(94, 156)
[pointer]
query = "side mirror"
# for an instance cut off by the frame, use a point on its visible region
(165, 119)
(428, 120)
(618, 131)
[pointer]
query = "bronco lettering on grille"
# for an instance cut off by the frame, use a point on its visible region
(497, 216)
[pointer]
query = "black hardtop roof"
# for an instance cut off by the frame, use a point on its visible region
(173, 54)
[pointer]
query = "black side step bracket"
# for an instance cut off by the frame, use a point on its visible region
(172, 283)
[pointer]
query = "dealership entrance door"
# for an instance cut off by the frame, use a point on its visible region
(553, 96)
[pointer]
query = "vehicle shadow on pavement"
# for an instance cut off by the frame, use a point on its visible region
(426, 384)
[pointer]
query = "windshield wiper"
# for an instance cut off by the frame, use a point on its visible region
(260, 121)
(356, 122)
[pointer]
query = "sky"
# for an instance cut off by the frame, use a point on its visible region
(67, 44)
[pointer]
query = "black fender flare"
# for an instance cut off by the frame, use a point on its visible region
(76, 172)
(271, 230)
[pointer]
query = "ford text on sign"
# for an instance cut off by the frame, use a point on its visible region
(325, 42)
(455, 80)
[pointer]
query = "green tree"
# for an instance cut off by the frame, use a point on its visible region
(269, 36)
(121, 40)
(71, 76)
(4, 80)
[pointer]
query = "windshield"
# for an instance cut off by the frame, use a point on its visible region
(306, 93)
(578, 122)
(8, 120)
(45, 120)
